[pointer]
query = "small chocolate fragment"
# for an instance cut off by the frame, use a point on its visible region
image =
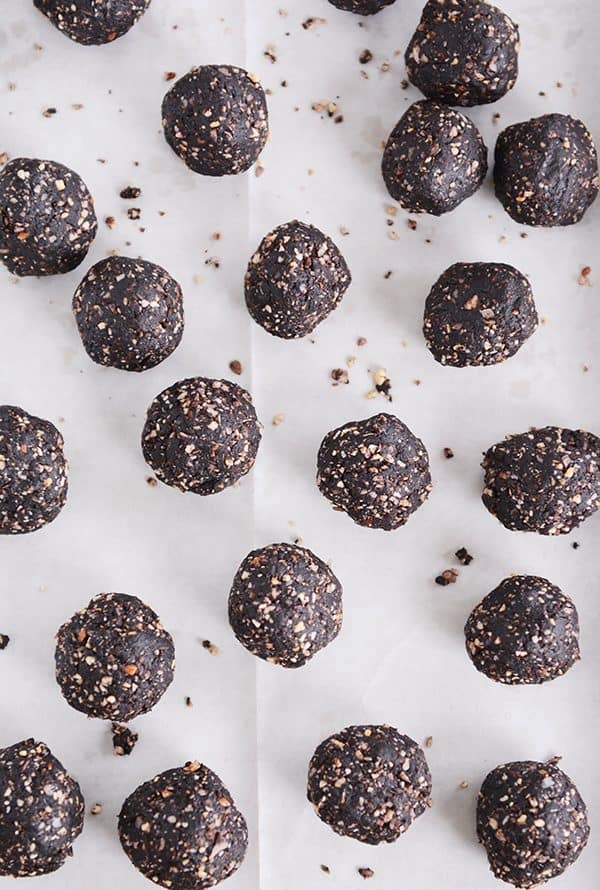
(434, 159)
(532, 822)
(4, 641)
(463, 556)
(525, 631)
(90, 22)
(124, 740)
(362, 7)
(369, 783)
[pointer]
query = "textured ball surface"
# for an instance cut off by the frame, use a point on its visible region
(47, 218)
(546, 170)
(33, 472)
(531, 821)
(362, 7)
(129, 313)
(285, 604)
(294, 280)
(478, 314)
(375, 470)
(114, 659)
(182, 829)
(546, 480)
(215, 118)
(41, 811)
(434, 159)
(369, 783)
(93, 22)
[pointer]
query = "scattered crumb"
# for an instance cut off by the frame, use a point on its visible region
(213, 261)
(259, 170)
(210, 647)
(429, 741)
(169, 75)
(3, 158)
(235, 367)
(124, 739)
(339, 375)
(188, 702)
(448, 453)
(575, 545)
(448, 576)
(365, 872)
(49, 112)
(270, 54)
(326, 869)
(134, 213)
(382, 383)
(365, 57)
(152, 481)
(130, 192)
(463, 556)
(277, 419)
(584, 277)
(463, 785)
(312, 21)
(412, 224)
(403, 84)
(344, 230)
(96, 809)
(4, 641)
(361, 341)
(387, 274)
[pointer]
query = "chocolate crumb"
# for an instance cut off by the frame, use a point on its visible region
(130, 192)
(152, 482)
(96, 809)
(388, 274)
(365, 57)
(361, 341)
(210, 647)
(170, 75)
(124, 739)
(448, 576)
(110, 221)
(339, 375)
(584, 277)
(575, 545)
(188, 702)
(464, 556)
(365, 872)
(4, 641)
(49, 112)
(429, 741)
(326, 869)
(134, 213)
(412, 224)
(448, 453)
(235, 367)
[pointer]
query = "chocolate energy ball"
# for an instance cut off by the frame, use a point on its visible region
(434, 159)
(464, 52)
(294, 280)
(201, 435)
(369, 783)
(182, 829)
(525, 631)
(41, 811)
(478, 314)
(215, 118)
(546, 170)
(114, 659)
(129, 313)
(33, 472)
(375, 470)
(47, 218)
(531, 821)
(91, 22)
(362, 7)
(546, 480)
(285, 604)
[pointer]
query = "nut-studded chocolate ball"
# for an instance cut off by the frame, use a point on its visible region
(294, 280)
(546, 170)
(532, 822)
(215, 118)
(285, 604)
(464, 52)
(129, 313)
(33, 472)
(546, 480)
(90, 22)
(525, 631)
(375, 470)
(182, 829)
(478, 314)
(369, 783)
(362, 7)
(41, 811)
(434, 159)
(47, 218)
(201, 435)
(114, 659)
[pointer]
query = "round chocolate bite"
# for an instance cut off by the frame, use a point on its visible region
(285, 604)
(201, 435)
(525, 631)
(129, 313)
(215, 118)
(464, 52)
(114, 659)
(33, 472)
(369, 783)
(531, 821)
(294, 280)
(434, 159)
(90, 22)
(478, 314)
(375, 470)
(362, 7)
(182, 829)
(546, 170)
(47, 218)
(546, 480)
(41, 811)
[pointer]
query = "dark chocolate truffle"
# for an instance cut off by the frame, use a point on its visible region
(91, 22)
(33, 472)
(478, 314)
(464, 52)
(545, 480)
(215, 118)
(369, 783)
(182, 829)
(375, 470)
(41, 811)
(531, 821)
(201, 435)
(525, 631)
(546, 170)
(285, 604)
(434, 159)
(47, 218)
(114, 659)
(294, 280)
(362, 7)
(129, 313)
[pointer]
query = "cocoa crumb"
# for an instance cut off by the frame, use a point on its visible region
(188, 702)
(124, 739)
(361, 341)
(259, 170)
(235, 367)
(365, 57)
(429, 741)
(4, 641)
(130, 192)
(412, 224)
(212, 648)
(339, 375)
(110, 221)
(575, 545)
(387, 274)
(134, 213)
(448, 453)
(584, 277)
(382, 383)
(49, 112)
(270, 54)
(170, 75)
(365, 872)
(463, 556)
(326, 869)
(213, 261)
(448, 576)
(312, 21)
(152, 482)
(403, 84)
